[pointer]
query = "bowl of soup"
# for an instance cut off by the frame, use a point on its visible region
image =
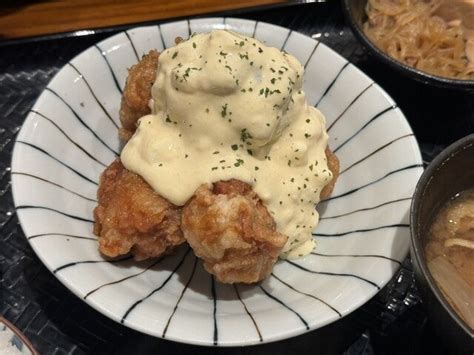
(431, 41)
(442, 243)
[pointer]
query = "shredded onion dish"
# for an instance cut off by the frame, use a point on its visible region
(413, 32)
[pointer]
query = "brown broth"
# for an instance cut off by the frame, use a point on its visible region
(454, 221)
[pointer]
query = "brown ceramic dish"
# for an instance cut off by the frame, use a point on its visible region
(354, 10)
(450, 172)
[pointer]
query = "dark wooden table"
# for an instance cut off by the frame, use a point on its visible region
(26, 18)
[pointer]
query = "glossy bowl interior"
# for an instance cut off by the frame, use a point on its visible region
(354, 10)
(449, 173)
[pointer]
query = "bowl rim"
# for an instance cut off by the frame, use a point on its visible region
(417, 74)
(417, 248)
(26, 341)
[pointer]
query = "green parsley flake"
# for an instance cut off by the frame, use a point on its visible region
(224, 111)
(238, 162)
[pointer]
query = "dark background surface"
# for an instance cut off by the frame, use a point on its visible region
(57, 322)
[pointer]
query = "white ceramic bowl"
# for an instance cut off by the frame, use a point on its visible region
(70, 135)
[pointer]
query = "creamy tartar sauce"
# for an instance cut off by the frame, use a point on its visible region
(227, 106)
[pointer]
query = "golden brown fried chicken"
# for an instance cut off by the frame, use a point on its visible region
(227, 226)
(333, 165)
(230, 229)
(131, 217)
(137, 93)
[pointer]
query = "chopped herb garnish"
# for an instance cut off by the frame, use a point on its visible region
(238, 162)
(234, 146)
(175, 54)
(187, 71)
(224, 110)
(244, 135)
(194, 45)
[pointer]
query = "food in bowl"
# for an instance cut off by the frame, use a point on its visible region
(449, 252)
(434, 36)
(223, 152)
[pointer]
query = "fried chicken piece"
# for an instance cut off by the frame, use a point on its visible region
(333, 165)
(131, 217)
(232, 231)
(137, 93)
